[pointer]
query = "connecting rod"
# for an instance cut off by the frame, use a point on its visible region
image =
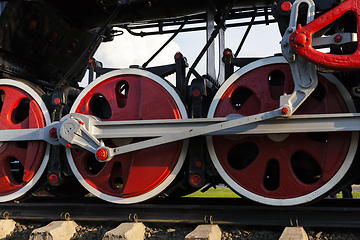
(83, 131)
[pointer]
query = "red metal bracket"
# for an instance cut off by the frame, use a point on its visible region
(300, 40)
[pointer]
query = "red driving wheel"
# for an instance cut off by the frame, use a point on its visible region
(272, 168)
(21, 163)
(134, 176)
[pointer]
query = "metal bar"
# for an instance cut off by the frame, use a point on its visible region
(32, 134)
(194, 19)
(294, 124)
(226, 211)
(194, 132)
(246, 33)
(213, 35)
(221, 75)
(22, 135)
(165, 44)
(329, 41)
(193, 29)
(158, 128)
(210, 53)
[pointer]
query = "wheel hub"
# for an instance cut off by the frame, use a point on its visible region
(278, 137)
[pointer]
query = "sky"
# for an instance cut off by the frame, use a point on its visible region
(126, 50)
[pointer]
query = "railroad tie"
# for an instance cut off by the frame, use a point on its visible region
(57, 230)
(294, 233)
(205, 232)
(6, 227)
(128, 231)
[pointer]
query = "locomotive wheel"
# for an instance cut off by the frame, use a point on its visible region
(280, 169)
(21, 163)
(133, 177)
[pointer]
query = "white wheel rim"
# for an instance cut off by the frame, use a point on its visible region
(163, 185)
(289, 201)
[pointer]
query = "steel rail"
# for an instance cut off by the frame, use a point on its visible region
(226, 211)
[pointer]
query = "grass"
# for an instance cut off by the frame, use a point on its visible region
(228, 193)
(355, 194)
(219, 192)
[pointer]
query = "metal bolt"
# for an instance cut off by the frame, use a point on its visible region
(227, 52)
(300, 39)
(57, 101)
(198, 164)
(33, 24)
(286, 6)
(73, 45)
(292, 58)
(101, 154)
(338, 38)
(196, 93)
(53, 133)
(285, 110)
(54, 36)
(53, 179)
(195, 179)
(178, 55)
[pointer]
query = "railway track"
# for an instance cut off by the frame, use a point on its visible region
(342, 213)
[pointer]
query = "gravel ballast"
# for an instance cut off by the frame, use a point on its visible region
(95, 231)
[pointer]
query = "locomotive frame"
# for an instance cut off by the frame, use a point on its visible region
(127, 135)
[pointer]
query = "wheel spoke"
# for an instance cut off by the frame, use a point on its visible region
(7, 107)
(27, 153)
(311, 105)
(114, 173)
(17, 152)
(289, 184)
(152, 166)
(5, 172)
(12, 97)
(254, 173)
(316, 148)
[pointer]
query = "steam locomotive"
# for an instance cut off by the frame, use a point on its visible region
(279, 130)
